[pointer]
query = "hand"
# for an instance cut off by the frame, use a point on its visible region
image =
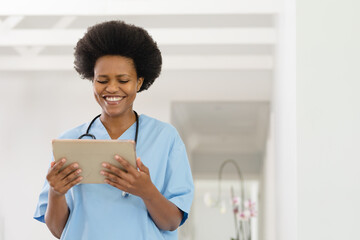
(61, 181)
(131, 180)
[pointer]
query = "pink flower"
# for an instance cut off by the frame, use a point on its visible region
(236, 209)
(236, 200)
(242, 216)
(253, 213)
(249, 204)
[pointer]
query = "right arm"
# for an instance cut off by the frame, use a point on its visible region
(57, 212)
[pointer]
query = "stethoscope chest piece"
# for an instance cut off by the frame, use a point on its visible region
(124, 194)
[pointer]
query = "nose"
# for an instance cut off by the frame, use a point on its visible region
(112, 86)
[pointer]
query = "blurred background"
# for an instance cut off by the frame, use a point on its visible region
(227, 85)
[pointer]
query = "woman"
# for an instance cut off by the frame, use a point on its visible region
(120, 60)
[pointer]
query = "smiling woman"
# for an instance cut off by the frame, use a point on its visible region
(120, 60)
(115, 87)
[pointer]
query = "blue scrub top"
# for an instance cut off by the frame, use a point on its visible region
(99, 211)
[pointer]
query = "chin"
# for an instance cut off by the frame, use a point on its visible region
(113, 114)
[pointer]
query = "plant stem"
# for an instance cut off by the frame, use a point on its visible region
(235, 218)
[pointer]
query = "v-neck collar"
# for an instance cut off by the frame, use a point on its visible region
(100, 131)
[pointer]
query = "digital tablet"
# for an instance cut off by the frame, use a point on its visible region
(90, 154)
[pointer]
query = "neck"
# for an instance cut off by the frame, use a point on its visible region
(116, 126)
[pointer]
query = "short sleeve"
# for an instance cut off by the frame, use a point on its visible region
(42, 203)
(179, 187)
(43, 197)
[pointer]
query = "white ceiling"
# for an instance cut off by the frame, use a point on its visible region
(205, 44)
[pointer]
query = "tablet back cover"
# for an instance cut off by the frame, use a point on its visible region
(90, 154)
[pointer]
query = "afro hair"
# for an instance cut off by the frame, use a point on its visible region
(118, 38)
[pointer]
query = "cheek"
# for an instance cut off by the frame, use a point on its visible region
(133, 93)
(129, 90)
(96, 94)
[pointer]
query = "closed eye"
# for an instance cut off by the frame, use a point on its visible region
(102, 81)
(123, 81)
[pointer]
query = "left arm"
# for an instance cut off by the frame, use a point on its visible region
(164, 213)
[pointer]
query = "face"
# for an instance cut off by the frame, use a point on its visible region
(115, 85)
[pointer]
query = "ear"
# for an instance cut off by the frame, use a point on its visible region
(139, 83)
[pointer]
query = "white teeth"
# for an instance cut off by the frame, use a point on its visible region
(113, 99)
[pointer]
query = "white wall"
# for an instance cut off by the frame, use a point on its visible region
(267, 207)
(284, 125)
(328, 112)
(34, 109)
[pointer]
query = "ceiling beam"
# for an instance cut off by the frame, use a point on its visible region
(170, 62)
(62, 23)
(10, 22)
(165, 36)
(149, 7)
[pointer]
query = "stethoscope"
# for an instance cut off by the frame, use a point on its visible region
(87, 134)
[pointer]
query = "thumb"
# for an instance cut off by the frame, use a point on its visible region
(141, 166)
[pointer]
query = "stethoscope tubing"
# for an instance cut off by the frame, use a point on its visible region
(88, 134)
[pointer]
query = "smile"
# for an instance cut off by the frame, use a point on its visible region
(113, 99)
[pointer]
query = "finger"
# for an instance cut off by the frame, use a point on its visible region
(61, 188)
(57, 166)
(120, 184)
(52, 164)
(125, 164)
(69, 169)
(71, 176)
(115, 171)
(141, 166)
(73, 183)
(111, 176)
